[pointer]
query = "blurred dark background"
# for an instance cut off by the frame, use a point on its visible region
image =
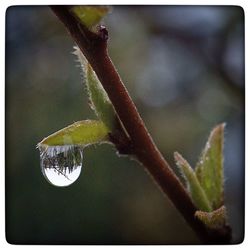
(184, 68)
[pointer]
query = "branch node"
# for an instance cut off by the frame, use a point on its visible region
(122, 143)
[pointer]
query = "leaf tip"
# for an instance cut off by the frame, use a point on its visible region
(176, 156)
(219, 128)
(180, 161)
(217, 131)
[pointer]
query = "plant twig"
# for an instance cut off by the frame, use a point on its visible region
(94, 47)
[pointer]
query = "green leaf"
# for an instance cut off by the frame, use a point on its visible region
(99, 99)
(215, 219)
(79, 133)
(90, 15)
(209, 169)
(193, 186)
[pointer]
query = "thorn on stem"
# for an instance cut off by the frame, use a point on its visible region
(103, 32)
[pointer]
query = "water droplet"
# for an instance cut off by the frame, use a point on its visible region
(61, 165)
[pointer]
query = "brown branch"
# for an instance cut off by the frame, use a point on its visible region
(94, 47)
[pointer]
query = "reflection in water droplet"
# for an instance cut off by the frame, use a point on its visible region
(61, 165)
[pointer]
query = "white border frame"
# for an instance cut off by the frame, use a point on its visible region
(5, 4)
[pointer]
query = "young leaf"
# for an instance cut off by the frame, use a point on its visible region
(90, 15)
(215, 219)
(79, 133)
(209, 169)
(98, 97)
(194, 188)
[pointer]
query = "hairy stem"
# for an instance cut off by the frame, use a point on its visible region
(94, 47)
